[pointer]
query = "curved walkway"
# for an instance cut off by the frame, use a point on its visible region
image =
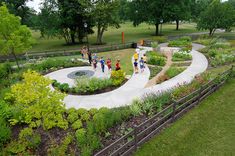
(135, 87)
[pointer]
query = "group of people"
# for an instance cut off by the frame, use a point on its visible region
(142, 62)
(93, 60)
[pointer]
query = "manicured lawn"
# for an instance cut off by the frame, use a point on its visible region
(208, 129)
(113, 35)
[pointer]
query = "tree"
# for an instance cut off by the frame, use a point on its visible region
(105, 14)
(19, 8)
(177, 10)
(150, 11)
(14, 37)
(36, 104)
(217, 15)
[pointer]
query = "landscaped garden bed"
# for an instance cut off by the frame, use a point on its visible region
(89, 86)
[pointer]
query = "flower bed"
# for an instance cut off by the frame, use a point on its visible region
(184, 43)
(155, 58)
(89, 86)
(181, 56)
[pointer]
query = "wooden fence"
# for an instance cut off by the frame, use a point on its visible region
(128, 143)
(70, 52)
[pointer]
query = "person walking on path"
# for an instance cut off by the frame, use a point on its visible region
(145, 60)
(83, 52)
(102, 62)
(94, 62)
(136, 66)
(142, 65)
(118, 66)
(136, 55)
(89, 57)
(109, 64)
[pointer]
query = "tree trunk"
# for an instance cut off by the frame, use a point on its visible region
(13, 53)
(157, 29)
(99, 35)
(211, 32)
(177, 24)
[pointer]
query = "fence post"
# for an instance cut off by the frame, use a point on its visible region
(200, 94)
(174, 110)
(135, 137)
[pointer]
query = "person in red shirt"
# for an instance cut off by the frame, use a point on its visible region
(118, 65)
(109, 64)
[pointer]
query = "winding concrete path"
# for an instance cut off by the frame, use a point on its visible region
(135, 87)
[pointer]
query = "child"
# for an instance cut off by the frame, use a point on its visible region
(94, 62)
(145, 58)
(109, 64)
(102, 62)
(142, 64)
(118, 65)
(136, 66)
(136, 56)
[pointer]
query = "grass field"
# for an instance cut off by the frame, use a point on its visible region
(208, 129)
(113, 35)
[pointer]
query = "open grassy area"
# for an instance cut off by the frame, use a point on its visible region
(208, 129)
(113, 35)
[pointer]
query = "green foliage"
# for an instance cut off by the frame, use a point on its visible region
(160, 39)
(154, 71)
(62, 148)
(183, 42)
(90, 85)
(117, 77)
(150, 104)
(77, 124)
(72, 115)
(105, 14)
(155, 58)
(93, 111)
(5, 132)
(186, 89)
(14, 37)
(36, 103)
(5, 70)
(85, 116)
(53, 64)
(181, 56)
(173, 71)
(217, 15)
(30, 139)
(81, 111)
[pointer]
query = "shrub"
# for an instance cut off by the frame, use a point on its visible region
(93, 111)
(61, 149)
(36, 103)
(81, 136)
(90, 85)
(85, 116)
(81, 111)
(5, 70)
(181, 42)
(135, 108)
(72, 115)
(77, 124)
(117, 77)
(5, 132)
(173, 71)
(154, 71)
(30, 139)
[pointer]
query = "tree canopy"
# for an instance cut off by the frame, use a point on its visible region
(217, 15)
(14, 37)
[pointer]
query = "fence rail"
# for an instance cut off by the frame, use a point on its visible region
(128, 143)
(76, 51)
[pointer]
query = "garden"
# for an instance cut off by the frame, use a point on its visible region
(59, 99)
